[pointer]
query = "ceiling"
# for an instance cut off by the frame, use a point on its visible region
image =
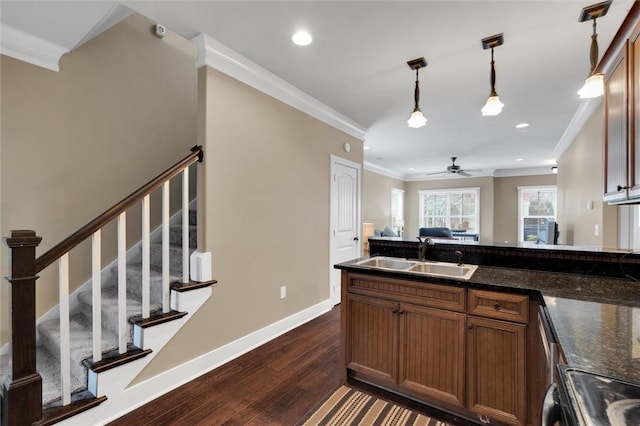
(357, 66)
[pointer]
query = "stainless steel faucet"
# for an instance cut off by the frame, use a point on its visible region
(422, 247)
(459, 254)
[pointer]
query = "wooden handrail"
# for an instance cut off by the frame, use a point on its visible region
(197, 154)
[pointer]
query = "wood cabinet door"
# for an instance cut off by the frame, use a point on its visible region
(616, 130)
(496, 369)
(432, 343)
(372, 338)
(634, 127)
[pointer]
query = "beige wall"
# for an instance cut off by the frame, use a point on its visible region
(376, 198)
(505, 215)
(121, 110)
(486, 202)
(266, 213)
(580, 180)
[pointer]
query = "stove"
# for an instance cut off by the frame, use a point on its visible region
(591, 399)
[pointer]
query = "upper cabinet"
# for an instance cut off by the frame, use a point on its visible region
(621, 65)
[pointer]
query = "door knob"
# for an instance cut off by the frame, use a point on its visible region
(356, 238)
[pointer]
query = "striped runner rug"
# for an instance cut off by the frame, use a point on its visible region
(349, 407)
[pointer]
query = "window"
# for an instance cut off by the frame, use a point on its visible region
(397, 210)
(536, 207)
(457, 209)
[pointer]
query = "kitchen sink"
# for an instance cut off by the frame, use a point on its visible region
(439, 269)
(387, 263)
(444, 269)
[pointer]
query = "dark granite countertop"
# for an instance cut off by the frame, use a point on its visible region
(596, 319)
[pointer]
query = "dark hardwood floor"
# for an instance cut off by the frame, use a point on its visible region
(275, 384)
(278, 383)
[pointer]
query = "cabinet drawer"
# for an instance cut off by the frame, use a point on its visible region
(505, 306)
(419, 293)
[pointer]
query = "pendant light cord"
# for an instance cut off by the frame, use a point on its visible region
(594, 48)
(416, 93)
(493, 75)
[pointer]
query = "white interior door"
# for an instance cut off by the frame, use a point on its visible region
(345, 218)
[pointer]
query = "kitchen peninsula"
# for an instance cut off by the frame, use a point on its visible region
(478, 348)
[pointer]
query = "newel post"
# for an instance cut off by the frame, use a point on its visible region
(22, 391)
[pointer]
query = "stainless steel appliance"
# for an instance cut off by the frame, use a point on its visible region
(550, 345)
(585, 398)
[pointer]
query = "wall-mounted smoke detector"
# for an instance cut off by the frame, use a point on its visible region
(161, 31)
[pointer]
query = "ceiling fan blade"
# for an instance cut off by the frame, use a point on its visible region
(474, 170)
(463, 173)
(437, 173)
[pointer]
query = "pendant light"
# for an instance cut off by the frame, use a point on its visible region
(417, 119)
(594, 84)
(493, 105)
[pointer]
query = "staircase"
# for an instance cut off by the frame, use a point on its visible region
(86, 364)
(48, 355)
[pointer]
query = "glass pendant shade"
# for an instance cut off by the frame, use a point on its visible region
(417, 119)
(593, 87)
(493, 106)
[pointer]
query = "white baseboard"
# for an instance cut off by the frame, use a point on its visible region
(157, 386)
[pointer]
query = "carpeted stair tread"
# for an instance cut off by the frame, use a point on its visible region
(175, 256)
(50, 372)
(134, 281)
(175, 235)
(81, 344)
(192, 217)
(110, 308)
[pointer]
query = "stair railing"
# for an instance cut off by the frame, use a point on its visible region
(22, 391)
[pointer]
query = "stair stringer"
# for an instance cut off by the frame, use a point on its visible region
(112, 383)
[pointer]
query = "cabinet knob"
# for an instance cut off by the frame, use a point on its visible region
(497, 306)
(620, 188)
(470, 327)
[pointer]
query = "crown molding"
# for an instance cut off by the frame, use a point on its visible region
(370, 167)
(585, 110)
(496, 173)
(526, 171)
(216, 55)
(29, 48)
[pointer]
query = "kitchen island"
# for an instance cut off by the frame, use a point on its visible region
(491, 320)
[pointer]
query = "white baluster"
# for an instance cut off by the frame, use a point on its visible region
(65, 346)
(123, 329)
(185, 225)
(166, 296)
(96, 291)
(146, 259)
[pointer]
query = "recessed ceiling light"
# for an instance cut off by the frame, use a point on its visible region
(519, 159)
(302, 38)
(366, 147)
(522, 125)
(412, 168)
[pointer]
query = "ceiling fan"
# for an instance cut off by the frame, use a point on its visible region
(456, 170)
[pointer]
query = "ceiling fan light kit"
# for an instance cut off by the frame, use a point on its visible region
(493, 105)
(594, 84)
(417, 119)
